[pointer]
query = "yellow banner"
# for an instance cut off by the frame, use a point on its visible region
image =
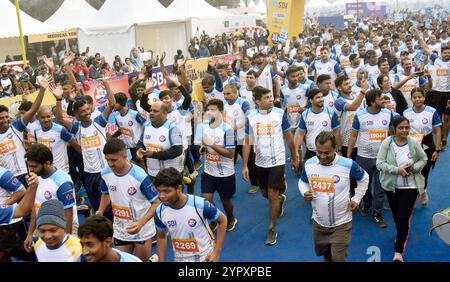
(285, 19)
(49, 99)
(68, 34)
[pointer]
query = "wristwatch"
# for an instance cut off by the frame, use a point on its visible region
(438, 150)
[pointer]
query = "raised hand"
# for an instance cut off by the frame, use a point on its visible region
(57, 92)
(172, 77)
(163, 56)
(69, 58)
(49, 63)
(44, 83)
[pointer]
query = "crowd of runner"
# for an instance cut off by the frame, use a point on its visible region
(364, 112)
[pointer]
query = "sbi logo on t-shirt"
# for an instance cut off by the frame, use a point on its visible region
(336, 179)
(425, 121)
(192, 222)
(325, 123)
(131, 191)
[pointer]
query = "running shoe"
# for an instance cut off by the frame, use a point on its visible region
(397, 257)
(232, 224)
(444, 145)
(378, 218)
(283, 201)
(253, 189)
(271, 237)
(424, 200)
(154, 258)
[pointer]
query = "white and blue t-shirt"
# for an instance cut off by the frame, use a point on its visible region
(422, 124)
(192, 239)
(9, 185)
(56, 139)
(330, 186)
(372, 130)
(312, 124)
(131, 197)
(266, 130)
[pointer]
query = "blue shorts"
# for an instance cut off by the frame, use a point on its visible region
(225, 186)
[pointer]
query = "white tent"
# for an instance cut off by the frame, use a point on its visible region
(121, 25)
(72, 14)
(251, 4)
(119, 12)
(9, 32)
(29, 25)
(261, 8)
(204, 17)
(242, 4)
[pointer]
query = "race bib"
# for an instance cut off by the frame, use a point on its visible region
(45, 142)
(442, 72)
(228, 120)
(213, 157)
(265, 130)
(377, 135)
(122, 212)
(418, 137)
(153, 148)
(185, 245)
(7, 146)
(408, 87)
(126, 131)
(294, 109)
(322, 184)
(92, 142)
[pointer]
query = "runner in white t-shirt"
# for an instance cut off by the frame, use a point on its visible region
(55, 137)
(325, 181)
(185, 219)
(217, 141)
(266, 129)
(133, 197)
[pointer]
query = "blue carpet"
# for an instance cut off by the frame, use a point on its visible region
(295, 242)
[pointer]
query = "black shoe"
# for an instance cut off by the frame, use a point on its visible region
(378, 218)
(271, 237)
(283, 201)
(365, 211)
(232, 224)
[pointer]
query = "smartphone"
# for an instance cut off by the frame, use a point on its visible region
(408, 169)
(420, 73)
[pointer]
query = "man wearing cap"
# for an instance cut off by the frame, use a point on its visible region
(54, 244)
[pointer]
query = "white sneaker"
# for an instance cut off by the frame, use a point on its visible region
(397, 257)
(424, 200)
(154, 258)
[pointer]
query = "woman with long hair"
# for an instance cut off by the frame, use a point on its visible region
(424, 120)
(400, 161)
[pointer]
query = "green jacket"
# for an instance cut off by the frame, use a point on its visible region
(388, 167)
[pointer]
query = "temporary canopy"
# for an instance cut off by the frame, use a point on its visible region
(72, 14)
(252, 4)
(121, 25)
(9, 32)
(261, 8)
(119, 12)
(29, 24)
(204, 17)
(195, 9)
